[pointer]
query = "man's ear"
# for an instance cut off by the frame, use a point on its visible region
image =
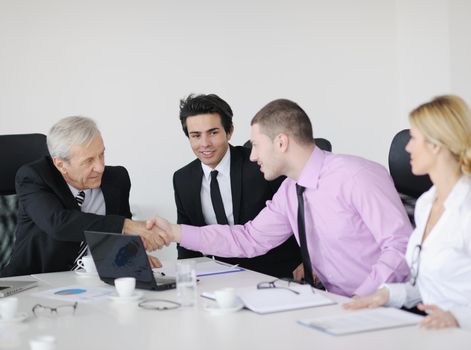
(282, 142)
(59, 164)
(229, 134)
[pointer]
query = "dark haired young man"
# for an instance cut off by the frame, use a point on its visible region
(233, 195)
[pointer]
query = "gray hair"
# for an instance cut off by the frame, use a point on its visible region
(68, 132)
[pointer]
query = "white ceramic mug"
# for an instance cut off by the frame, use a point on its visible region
(8, 308)
(125, 286)
(226, 298)
(43, 342)
(86, 262)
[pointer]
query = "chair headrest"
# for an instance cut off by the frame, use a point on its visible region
(400, 168)
(16, 150)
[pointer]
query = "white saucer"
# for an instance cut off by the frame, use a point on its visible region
(136, 296)
(83, 273)
(17, 319)
(216, 310)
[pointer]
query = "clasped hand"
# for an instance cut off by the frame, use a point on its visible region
(152, 237)
(167, 232)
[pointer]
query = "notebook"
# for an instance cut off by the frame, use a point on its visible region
(117, 255)
(362, 321)
(8, 288)
(264, 301)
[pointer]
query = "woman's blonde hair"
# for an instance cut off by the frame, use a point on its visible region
(446, 121)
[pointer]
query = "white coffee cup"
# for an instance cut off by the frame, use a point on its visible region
(86, 262)
(125, 286)
(226, 298)
(8, 308)
(43, 342)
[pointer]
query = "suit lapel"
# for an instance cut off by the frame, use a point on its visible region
(111, 195)
(236, 183)
(61, 188)
(195, 191)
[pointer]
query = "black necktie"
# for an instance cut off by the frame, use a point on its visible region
(83, 245)
(216, 199)
(302, 237)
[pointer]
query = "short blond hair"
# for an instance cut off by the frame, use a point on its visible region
(284, 116)
(446, 121)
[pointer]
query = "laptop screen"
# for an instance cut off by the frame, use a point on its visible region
(118, 255)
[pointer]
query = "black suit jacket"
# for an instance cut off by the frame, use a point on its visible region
(50, 223)
(250, 191)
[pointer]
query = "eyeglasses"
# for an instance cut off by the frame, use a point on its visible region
(159, 304)
(44, 310)
(278, 284)
(415, 264)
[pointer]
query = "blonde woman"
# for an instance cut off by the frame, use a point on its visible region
(439, 249)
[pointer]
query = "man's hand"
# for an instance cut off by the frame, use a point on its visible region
(437, 317)
(151, 239)
(168, 232)
(377, 299)
(154, 262)
(298, 275)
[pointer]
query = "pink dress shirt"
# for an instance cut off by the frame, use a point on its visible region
(356, 226)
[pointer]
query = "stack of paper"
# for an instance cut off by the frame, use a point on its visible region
(363, 321)
(204, 268)
(269, 300)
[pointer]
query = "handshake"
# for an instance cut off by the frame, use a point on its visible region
(155, 233)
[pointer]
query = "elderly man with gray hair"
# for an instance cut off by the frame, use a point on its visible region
(67, 193)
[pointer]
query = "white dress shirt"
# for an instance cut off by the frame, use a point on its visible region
(94, 202)
(444, 276)
(224, 181)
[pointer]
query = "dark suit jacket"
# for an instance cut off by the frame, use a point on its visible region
(50, 223)
(250, 191)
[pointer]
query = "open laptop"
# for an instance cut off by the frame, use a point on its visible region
(8, 288)
(118, 255)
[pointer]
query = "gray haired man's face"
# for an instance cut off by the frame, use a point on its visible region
(84, 169)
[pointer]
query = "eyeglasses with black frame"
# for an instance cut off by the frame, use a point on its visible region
(278, 285)
(40, 310)
(415, 264)
(159, 304)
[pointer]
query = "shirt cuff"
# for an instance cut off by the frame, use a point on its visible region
(403, 294)
(397, 294)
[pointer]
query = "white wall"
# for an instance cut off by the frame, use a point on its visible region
(356, 67)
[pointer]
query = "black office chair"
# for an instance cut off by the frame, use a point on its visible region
(15, 150)
(323, 144)
(409, 186)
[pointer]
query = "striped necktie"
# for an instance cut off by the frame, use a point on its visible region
(83, 245)
(80, 198)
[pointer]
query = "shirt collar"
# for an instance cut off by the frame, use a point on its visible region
(459, 192)
(224, 166)
(75, 191)
(310, 174)
(457, 195)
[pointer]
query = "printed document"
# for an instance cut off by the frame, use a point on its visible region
(362, 321)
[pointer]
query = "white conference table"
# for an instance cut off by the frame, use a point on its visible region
(106, 324)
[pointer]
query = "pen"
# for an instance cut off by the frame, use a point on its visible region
(225, 264)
